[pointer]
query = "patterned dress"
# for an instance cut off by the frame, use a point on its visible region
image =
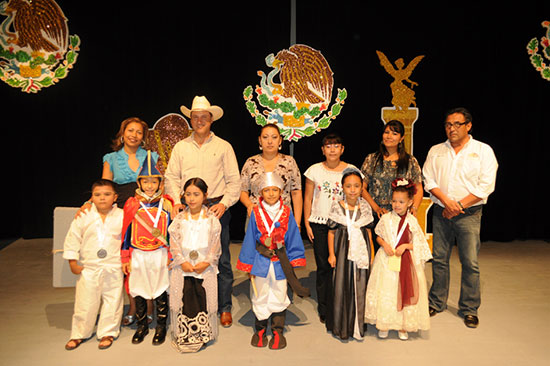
(286, 168)
(379, 179)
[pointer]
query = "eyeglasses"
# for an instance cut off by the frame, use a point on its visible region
(455, 125)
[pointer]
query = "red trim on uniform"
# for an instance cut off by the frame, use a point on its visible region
(243, 266)
(298, 262)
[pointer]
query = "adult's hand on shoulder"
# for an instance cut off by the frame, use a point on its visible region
(218, 210)
(178, 207)
(250, 208)
(83, 209)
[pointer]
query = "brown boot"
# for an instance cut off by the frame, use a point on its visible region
(278, 341)
(259, 339)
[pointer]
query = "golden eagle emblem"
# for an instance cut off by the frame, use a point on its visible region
(35, 47)
(299, 101)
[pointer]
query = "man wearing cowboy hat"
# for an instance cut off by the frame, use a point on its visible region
(211, 158)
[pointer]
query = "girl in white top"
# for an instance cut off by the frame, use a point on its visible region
(322, 188)
(195, 246)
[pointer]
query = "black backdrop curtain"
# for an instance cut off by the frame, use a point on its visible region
(146, 61)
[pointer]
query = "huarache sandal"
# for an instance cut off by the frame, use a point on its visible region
(72, 344)
(105, 342)
(128, 319)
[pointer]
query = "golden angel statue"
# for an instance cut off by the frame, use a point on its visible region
(403, 96)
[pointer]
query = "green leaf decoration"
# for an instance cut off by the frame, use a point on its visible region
(46, 82)
(61, 72)
(22, 56)
(71, 57)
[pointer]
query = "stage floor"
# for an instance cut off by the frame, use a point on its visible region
(513, 330)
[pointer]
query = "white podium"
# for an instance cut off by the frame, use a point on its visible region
(62, 275)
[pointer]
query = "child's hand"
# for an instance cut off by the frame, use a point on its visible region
(401, 249)
(186, 267)
(389, 251)
(200, 267)
(127, 268)
(309, 233)
(332, 260)
(75, 267)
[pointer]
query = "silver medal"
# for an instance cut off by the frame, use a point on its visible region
(102, 253)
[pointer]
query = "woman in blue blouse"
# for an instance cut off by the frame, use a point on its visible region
(123, 164)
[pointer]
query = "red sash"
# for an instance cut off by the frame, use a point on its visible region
(407, 293)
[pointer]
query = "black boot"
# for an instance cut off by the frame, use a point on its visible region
(259, 339)
(278, 341)
(141, 316)
(161, 304)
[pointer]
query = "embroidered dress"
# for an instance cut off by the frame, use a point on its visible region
(383, 307)
(286, 169)
(353, 251)
(193, 296)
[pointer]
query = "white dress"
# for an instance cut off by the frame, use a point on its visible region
(194, 241)
(381, 299)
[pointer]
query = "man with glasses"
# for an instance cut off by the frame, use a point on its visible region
(460, 175)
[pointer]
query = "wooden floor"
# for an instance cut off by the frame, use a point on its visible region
(514, 320)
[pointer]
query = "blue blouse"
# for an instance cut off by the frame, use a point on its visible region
(118, 162)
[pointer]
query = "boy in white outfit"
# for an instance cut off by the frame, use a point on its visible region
(94, 240)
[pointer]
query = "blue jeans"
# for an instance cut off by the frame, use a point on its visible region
(464, 230)
(225, 275)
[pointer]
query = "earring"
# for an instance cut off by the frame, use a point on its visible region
(261, 148)
(280, 146)
(142, 143)
(121, 140)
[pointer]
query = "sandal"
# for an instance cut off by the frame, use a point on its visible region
(105, 342)
(128, 319)
(75, 344)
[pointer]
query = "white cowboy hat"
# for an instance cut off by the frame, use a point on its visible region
(200, 103)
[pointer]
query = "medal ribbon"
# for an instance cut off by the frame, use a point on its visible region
(155, 220)
(268, 227)
(349, 221)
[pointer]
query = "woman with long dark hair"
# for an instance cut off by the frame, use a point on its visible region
(391, 161)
